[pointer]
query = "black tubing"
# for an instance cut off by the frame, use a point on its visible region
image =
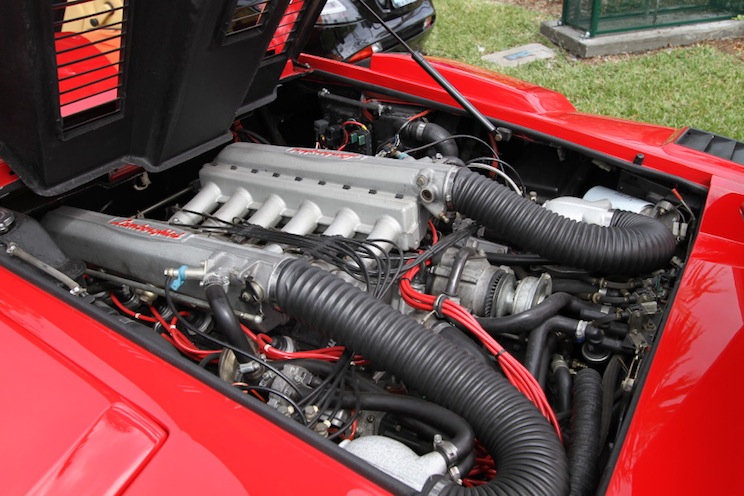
(525, 448)
(633, 244)
(320, 367)
(542, 372)
(529, 319)
(563, 382)
(609, 385)
(538, 338)
(428, 132)
(452, 426)
(515, 258)
(573, 286)
(583, 445)
(458, 265)
(227, 322)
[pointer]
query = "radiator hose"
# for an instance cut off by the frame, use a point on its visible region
(632, 244)
(528, 455)
(428, 132)
(583, 445)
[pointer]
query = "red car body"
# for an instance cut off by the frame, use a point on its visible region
(88, 411)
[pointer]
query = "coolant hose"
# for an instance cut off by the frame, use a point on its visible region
(533, 317)
(563, 382)
(528, 319)
(632, 244)
(458, 266)
(525, 448)
(227, 322)
(583, 445)
(428, 132)
(538, 338)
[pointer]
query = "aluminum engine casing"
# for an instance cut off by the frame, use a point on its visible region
(309, 190)
(143, 249)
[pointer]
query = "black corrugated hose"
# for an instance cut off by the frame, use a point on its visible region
(632, 244)
(583, 445)
(528, 455)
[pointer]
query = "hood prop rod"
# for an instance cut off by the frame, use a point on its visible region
(499, 134)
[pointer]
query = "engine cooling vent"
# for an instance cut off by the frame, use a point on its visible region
(90, 48)
(713, 144)
(286, 32)
(91, 86)
(247, 16)
(252, 15)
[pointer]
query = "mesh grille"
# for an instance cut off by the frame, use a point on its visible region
(610, 16)
(90, 51)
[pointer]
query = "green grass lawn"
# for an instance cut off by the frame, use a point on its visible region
(697, 86)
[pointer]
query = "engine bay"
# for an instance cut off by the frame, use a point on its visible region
(452, 310)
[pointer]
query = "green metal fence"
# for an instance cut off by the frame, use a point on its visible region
(612, 16)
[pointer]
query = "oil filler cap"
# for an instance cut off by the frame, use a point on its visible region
(6, 220)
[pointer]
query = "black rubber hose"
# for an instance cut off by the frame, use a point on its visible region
(529, 319)
(583, 445)
(551, 343)
(428, 132)
(514, 258)
(538, 339)
(525, 448)
(633, 244)
(458, 265)
(453, 426)
(609, 384)
(563, 381)
(227, 322)
(573, 286)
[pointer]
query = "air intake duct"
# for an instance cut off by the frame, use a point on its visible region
(530, 459)
(632, 244)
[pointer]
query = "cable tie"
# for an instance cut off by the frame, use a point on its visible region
(497, 355)
(437, 306)
(137, 315)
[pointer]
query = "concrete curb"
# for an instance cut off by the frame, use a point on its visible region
(573, 40)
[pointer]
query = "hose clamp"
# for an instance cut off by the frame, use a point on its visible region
(437, 488)
(449, 181)
(447, 449)
(581, 330)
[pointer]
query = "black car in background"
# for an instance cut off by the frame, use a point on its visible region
(345, 30)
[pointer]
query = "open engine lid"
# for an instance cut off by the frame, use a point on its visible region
(88, 86)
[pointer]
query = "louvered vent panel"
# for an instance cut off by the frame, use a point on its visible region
(90, 47)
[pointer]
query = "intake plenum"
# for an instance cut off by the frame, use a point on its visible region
(632, 244)
(526, 450)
